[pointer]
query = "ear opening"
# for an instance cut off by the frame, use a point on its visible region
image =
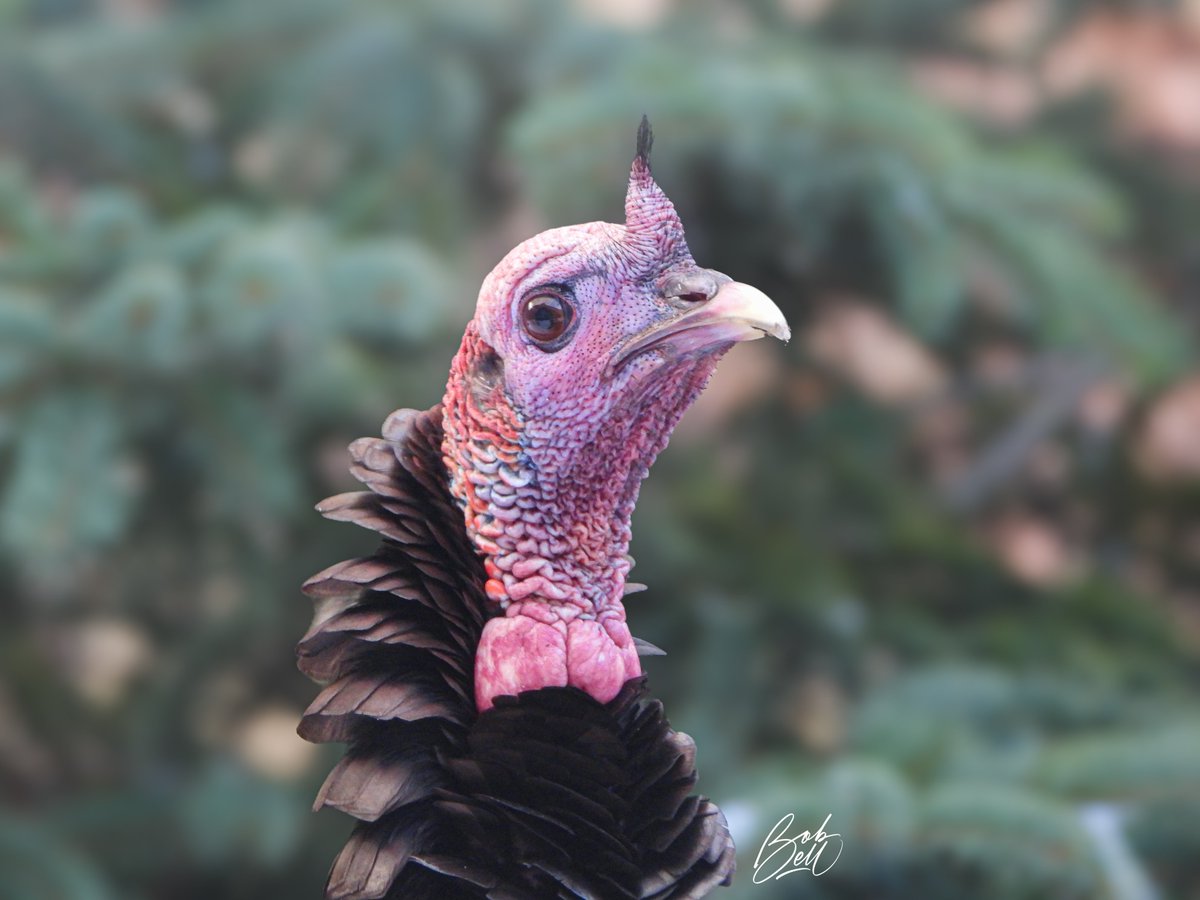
(486, 374)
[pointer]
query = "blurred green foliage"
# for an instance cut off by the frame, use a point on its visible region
(234, 236)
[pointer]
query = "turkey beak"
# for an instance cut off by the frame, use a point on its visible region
(742, 312)
(714, 311)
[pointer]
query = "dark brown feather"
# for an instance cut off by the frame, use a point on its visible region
(549, 794)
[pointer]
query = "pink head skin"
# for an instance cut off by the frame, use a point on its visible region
(588, 344)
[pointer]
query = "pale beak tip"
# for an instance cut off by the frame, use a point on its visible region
(752, 306)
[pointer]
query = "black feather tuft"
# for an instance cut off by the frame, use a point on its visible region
(645, 140)
(548, 794)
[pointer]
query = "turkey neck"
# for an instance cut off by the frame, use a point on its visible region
(549, 508)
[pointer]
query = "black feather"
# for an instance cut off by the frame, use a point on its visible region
(548, 794)
(645, 140)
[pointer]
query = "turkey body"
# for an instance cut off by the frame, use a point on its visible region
(548, 794)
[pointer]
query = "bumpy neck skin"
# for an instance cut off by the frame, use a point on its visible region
(548, 507)
(552, 539)
(491, 478)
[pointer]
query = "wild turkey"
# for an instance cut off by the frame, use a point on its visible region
(501, 741)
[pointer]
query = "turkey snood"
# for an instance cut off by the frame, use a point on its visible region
(587, 345)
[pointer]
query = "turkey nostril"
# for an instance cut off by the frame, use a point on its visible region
(688, 288)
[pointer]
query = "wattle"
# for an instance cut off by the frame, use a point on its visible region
(534, 646)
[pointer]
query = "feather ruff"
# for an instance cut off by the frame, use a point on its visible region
(549, 794)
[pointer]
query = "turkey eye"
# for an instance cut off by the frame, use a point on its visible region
(547, 317)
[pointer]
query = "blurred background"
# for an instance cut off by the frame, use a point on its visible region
(933, 568)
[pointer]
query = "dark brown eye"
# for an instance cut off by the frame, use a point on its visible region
(547, 317)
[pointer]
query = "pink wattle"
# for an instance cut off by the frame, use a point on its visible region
(519, 653)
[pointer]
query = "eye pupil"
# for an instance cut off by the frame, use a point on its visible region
(547, 317)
